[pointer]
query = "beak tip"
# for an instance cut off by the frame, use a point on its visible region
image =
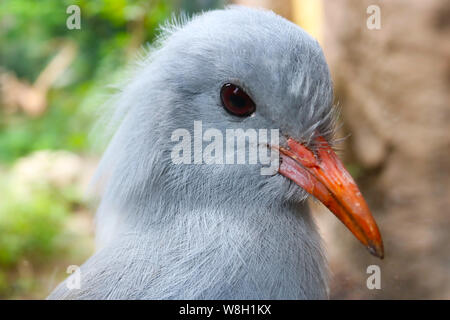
(376, 250)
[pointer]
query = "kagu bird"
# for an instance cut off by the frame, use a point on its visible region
(218, 231)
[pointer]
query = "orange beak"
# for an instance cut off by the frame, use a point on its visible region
(324, 176)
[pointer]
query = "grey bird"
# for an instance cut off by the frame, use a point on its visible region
(170, 230)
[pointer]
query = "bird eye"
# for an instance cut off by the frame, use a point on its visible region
(236, 101)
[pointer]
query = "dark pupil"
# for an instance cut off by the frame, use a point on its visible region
(237, 100)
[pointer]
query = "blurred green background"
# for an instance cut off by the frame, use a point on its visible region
(50, 77)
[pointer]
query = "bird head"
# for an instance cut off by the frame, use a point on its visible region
(232, 69)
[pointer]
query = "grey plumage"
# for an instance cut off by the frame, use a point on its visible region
(169, 231)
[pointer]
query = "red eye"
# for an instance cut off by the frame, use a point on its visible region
(236, 101)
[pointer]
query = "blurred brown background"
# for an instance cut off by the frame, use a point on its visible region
(392, 85)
